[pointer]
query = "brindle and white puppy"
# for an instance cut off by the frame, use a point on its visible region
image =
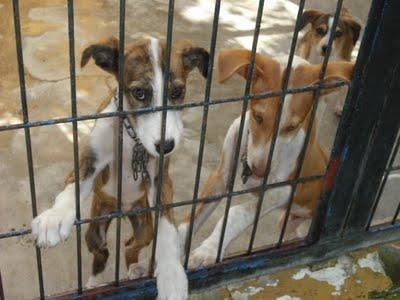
(143, 82)
(314, 44)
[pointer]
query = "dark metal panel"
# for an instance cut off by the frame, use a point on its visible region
(364, 200)
(359, 120)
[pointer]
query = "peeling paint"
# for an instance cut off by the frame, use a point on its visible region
(248, 291)
(287, 297)
(335, 276)
(372, 261)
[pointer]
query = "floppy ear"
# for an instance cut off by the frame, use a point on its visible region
(105, 55)
(231, 61)
(196, 57)
(310, 16)
(355, 28)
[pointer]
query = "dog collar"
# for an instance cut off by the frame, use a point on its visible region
(140, 156)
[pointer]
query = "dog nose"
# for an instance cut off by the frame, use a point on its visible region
(324, 49)
(168, 146)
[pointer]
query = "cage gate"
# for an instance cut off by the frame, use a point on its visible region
(363, 157)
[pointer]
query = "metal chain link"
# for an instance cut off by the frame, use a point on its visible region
(140, 156)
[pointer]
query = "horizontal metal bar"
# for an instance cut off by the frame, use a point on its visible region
(147, 110)
(139, 211)
(263, 262)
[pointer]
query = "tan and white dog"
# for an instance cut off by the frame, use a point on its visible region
(259, 126)
(313, 45)
(143, 87)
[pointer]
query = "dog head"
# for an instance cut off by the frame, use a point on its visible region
(267, 77)
(345, 36)
(144, 67)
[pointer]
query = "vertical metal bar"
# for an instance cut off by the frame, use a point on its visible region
(163, 122)
(121, 60)
(232, 178)
(71, 38)
(382, 186)
(277, 122)
(203, 127)
(1, 288)
(316, 95)
(17, 26)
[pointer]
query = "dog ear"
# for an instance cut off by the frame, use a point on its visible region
(105, 55)
(355, 28)
(309, 16)
(231, 61)
(193, 57)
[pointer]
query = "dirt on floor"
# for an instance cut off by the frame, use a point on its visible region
(45, 46)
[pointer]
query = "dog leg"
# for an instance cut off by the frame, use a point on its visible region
(143, 232)
(239, 218)
(96, 235)
(171, 278)
(215, 184)
(55, 224)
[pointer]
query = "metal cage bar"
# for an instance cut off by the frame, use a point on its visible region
(259, 258)
(138, 211)
(382, 186)
(147, 110)
(71, 41)
(277, 122)
(28, 144)
(160, 177)
(121, 65)
(316, 95)
(210, 67)
(232, 176)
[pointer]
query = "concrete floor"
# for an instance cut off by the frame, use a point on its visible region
(350, 277)
(45, 46)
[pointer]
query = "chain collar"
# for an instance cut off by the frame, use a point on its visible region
(246, 170)
(140, 156)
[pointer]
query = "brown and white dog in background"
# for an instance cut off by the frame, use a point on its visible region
(314, 43)
(143, 87)
(259, 126)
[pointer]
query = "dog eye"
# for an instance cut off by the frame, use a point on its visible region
(338, 34)
(139, 94)
(259, 119)
(176, 92)
(321, 31)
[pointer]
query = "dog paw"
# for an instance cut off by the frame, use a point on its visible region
(138, 270)
(172, 283)
(339, 110)
(202, 256)
(94, 282)
(52, 226)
